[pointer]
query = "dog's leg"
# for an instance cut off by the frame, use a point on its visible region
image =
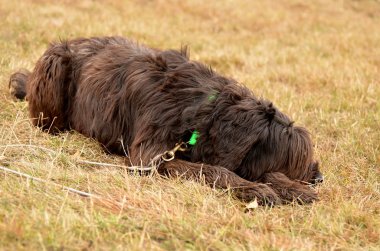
(287, 189)
(18, 84)
(220, 177)
(214, 176)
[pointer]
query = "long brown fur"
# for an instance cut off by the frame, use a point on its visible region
(125, 94)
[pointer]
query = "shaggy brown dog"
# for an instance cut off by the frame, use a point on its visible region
(125, 94)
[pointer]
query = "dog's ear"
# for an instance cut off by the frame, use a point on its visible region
(234, 123)
(234, 133)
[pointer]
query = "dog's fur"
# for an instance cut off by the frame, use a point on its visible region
(125, 94)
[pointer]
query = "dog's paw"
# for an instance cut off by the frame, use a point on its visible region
(17, 84)
(268, 197)
(300, 193)
(289, 190)
(264, 195)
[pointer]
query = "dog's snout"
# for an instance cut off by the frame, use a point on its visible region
(317, 179)
(317, 176)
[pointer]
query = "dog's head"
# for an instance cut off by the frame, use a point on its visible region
(251, 137)
(282, 148)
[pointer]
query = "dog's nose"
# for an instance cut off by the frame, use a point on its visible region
(318, 178)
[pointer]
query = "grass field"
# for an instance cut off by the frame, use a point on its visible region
(319, 61)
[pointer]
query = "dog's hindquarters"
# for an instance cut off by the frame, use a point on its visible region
(45, 90)
(49, 88)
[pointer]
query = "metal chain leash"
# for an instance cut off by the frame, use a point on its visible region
(164, 157)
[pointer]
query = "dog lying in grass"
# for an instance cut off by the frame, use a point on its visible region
(129, 96)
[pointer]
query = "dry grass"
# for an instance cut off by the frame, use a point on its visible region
(318, 61)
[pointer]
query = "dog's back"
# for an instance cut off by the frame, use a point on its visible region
(95, 86)
(51, 87)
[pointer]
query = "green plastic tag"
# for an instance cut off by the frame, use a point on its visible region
(212, 97)
(195, 135)
(193, 138)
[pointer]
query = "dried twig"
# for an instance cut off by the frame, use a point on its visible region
(130, 168)
(81, 193)
(31, 146)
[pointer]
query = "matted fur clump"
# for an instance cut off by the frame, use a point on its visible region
(147, 100)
